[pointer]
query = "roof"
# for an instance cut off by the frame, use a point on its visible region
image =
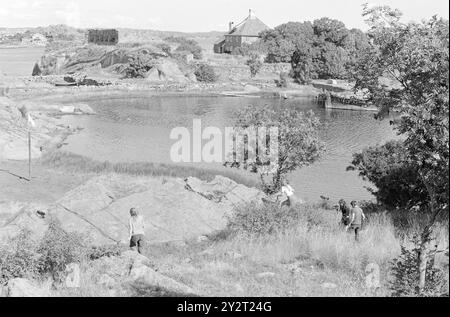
(251, 26)
(219, 40)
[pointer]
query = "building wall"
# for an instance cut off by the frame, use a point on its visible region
(103, 37)
(231, 42)
(249, 39)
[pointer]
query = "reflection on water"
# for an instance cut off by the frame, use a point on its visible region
(138, 129)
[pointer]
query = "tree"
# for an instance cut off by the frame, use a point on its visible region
(415, 57)
(332, 61)
(330, 30)
(298, 142)
(303, 66)
(389, 168)
(282, 41)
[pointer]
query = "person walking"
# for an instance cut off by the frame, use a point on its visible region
(137, 230)
(289, 192)
(356, 219)
(344, 209)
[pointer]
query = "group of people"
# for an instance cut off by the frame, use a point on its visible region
(352, 217)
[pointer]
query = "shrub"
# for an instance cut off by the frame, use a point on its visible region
(205, 73)
(187, 45)
(18, 258)
(165, 48)
(255, 64)
(59, 248)
(104, 251)
(283, 81)
(398, 183)
(138, 66)
(262, 219)
(405, 271)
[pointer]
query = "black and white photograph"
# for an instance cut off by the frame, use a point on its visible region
(230, 155)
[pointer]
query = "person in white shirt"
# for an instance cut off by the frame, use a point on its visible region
(289, 192)
(137, 230)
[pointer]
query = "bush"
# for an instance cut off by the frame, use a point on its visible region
(263, 219)
(255, 64)
(165, 48)
(283, 81)
(398, 183)
(405, 271)
(23, 257)
(138, 66)
(104, 251)
(59, 248)
(187, 45)
(18, 258)
(205, 73)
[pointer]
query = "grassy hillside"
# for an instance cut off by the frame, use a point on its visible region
(311, 257)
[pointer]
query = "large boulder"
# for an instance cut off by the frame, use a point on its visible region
(133, 268)
(174, 209)
(225, 191)
(172, 212)
(166, 70)
(92, 57)
(15, 216)
(21, 287)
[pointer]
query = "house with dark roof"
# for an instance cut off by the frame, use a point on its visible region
(245, 32)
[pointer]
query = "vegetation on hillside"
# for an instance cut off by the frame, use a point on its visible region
(324, 48)
(416, 57)
(297, 142)
(186, 45)
(138, 66)
(254, 63)
(205, 73)
(70, 162)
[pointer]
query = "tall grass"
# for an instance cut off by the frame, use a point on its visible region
(316, 235)
(310, 235)
(75, 163)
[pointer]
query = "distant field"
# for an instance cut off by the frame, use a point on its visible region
(19, 61)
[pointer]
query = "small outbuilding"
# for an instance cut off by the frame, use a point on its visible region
(103, 36)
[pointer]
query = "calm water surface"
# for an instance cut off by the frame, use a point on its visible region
(19, 61)
(137, 129)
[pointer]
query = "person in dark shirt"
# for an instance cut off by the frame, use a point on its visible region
(344, 209)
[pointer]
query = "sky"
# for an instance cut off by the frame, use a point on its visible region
(198, 15)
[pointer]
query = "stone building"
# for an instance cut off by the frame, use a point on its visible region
(103, 36)
(245, 32)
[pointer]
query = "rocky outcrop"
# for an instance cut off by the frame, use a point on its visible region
(21, 287)
(89, 59)
(46, 132)
(132, 268)
(166, 70)
(225, 191)
(17, 215)
(110, 276)
(174, 209)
